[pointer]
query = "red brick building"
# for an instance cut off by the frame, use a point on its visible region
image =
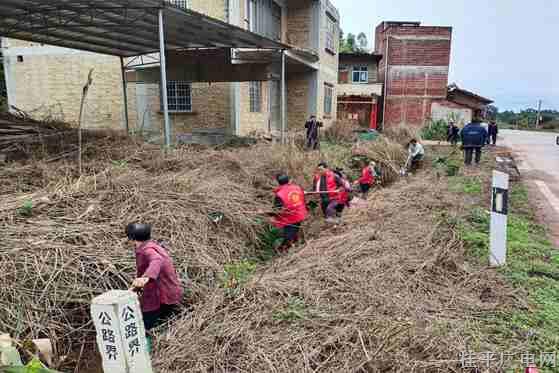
(414, 70)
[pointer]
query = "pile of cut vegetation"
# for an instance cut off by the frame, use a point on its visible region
(63, 232)
(382, 284)
(388, 291)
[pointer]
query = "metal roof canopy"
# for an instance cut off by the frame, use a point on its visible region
(124, 28)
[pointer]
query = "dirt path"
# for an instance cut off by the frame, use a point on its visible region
(538, 161)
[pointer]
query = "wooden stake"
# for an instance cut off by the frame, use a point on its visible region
(80, 119)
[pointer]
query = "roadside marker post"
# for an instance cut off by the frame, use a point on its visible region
(499, 213)
(121, 337)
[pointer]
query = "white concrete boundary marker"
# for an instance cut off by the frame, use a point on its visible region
(499, 212)
(121, 337)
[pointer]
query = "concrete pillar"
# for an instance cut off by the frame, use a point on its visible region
(235, 87)
(121, 336)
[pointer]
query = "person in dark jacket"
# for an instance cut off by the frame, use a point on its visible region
(313, 139)
(453, 133)
(493, 132)
(474, 137)
(157, 279)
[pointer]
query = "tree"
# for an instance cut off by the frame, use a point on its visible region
(342, 47)
(362, 42)
(350, 43)
(492, 112)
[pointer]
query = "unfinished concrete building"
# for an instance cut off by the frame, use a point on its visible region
(414, 70)
(359, 89)
(210, 89)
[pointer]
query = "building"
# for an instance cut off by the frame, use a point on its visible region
(460, 106)
(222, 90)
(414, 70)
(359, 88)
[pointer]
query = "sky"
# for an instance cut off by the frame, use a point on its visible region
(506, 50)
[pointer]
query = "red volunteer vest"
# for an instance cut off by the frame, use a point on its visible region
(294, 207)
(331, 186)
(367, 176)
(343, 196)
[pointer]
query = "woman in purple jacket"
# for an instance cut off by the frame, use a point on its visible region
(161, 290)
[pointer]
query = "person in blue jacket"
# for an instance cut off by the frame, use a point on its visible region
(473, 137)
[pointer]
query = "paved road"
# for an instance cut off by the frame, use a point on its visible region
(538, 160)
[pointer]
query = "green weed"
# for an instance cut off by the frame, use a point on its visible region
(294, 311)
(236, 275)
(532, 265)
(26, 209)
(269, 240)
(466, 185)
(122, 163)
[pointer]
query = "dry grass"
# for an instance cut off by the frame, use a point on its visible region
(63, 239)
(389, 155)
(387, 291)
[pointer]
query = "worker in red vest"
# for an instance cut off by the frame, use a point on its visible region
(345, 196)
(367, 179)
(330, 186)
(292, 211)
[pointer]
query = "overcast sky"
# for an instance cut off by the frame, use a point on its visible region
(506, 50)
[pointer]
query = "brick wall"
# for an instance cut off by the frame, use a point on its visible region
(415, 68)
(47, 81)
(299, 24)
(297, 100)
(448, 110)
(254, 123)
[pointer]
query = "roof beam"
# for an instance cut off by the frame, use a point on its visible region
(47, 39)
(79, 31)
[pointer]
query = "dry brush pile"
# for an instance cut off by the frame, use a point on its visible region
(389, 291)
(388, 286)
(63, 234)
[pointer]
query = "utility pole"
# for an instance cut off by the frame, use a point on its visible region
(539, 113)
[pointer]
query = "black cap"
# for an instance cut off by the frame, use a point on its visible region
(138, 232)
(323, 164)
(282, 179)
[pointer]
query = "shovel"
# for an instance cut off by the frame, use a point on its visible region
(404, 170)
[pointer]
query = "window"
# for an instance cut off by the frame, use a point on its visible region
(179, 96)
(275, 32)
(255, 92)
(252, 15)
(360, 74)
(179, 3)
(328, 95)
(330, 34)
(264, 17)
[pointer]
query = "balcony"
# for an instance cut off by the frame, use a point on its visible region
(368, 90)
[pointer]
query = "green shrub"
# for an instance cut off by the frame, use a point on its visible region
(435, 130)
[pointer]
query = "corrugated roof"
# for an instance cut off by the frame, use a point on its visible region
(120, 27)
(453, 89)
